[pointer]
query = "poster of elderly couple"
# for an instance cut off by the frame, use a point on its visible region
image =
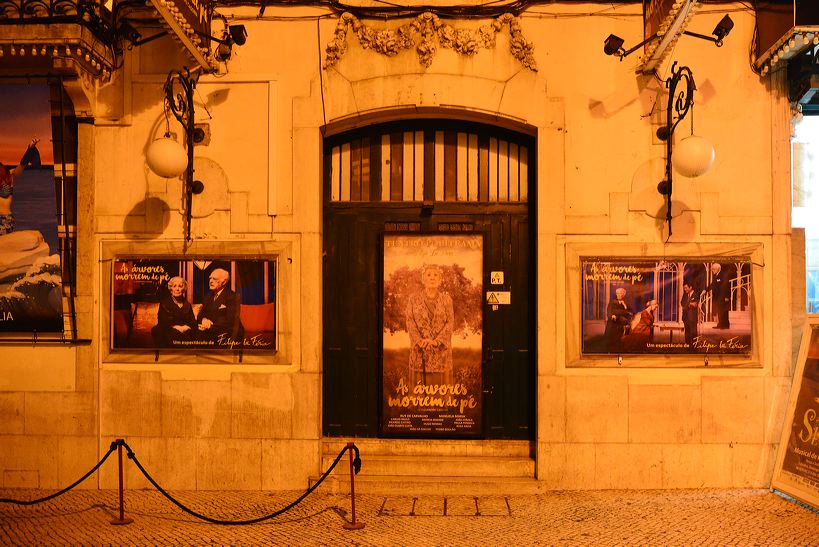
(689, 305)
(432, 335)
(30, 266)
(182, 304)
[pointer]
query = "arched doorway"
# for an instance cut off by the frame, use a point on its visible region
(429, 183)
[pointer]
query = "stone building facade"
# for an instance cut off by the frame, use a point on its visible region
(206, 420)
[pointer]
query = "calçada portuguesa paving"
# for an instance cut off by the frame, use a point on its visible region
(611, 517)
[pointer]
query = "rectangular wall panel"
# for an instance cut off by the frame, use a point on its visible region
(439, 166)
(345, 172)
(335, 174)
(472, 167)
(385, 167)
(408, 183)
(462, 171)
(418, 166)
(503, 170)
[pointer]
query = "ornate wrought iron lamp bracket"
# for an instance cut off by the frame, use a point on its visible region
(179, 88)
(679, 104)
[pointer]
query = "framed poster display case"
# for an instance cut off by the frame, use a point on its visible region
(32, 248)
(666, 305)
(216, 303)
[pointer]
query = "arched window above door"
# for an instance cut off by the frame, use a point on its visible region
(428, 161)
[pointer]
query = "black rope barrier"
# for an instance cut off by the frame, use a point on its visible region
(357, 465)
(120, 443)
(67, 488)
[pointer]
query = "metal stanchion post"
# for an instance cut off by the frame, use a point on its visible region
(352, 525)
(122, 518)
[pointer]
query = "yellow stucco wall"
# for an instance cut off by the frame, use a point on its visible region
(201, 422)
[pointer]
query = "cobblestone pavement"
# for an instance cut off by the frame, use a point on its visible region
(651, 517)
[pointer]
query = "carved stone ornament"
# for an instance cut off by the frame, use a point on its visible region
(465, 41)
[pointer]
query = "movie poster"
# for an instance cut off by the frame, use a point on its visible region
(181, 304)
(432, 336)
(30, 272)
(797, 472)
(661, 306)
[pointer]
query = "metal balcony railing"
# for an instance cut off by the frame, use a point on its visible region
(92, 15)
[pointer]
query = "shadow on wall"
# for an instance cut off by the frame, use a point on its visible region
(149, 217)
(683, 222)
(647, 90)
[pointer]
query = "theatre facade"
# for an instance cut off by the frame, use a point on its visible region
(437, 234)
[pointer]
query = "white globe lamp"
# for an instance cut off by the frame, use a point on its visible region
(693, 156)
(166, 157)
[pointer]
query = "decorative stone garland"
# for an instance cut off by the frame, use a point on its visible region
(465, 41)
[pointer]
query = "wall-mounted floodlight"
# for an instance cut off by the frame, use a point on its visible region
(613, 45)
(232, 35)
(239, 34)
(665, 37)
(722, 30)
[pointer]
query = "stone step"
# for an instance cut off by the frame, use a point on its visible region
(394, 485)
(414, 447)
(436, 466)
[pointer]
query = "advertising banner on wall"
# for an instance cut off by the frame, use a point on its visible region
(680, 305)
(30, 270)
(432, 335)
(204, 304)
(797, 463)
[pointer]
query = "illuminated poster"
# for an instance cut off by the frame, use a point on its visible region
(432, 335)
(797, 469)
(681, 305)
(181, 304)
(30, 272)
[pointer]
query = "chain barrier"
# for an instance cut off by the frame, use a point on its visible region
(355, 467)
(132, 457)
(67, 488)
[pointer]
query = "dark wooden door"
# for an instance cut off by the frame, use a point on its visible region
(352, 321)
(509, 357)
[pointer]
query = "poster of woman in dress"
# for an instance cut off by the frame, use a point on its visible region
(681, 305)
(30, 272)
(432, 335)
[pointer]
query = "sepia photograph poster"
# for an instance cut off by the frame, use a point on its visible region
(432, 335)
(181, 304)
(30, 270)
(797, 464)
(689, 305)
